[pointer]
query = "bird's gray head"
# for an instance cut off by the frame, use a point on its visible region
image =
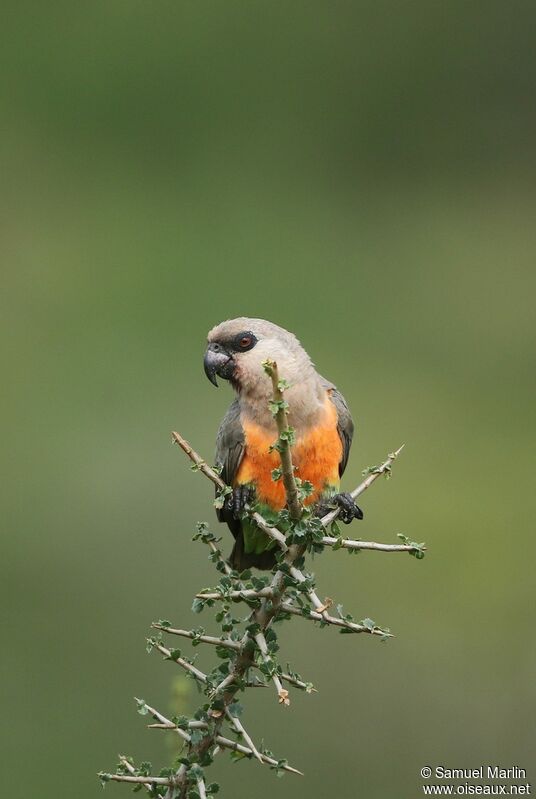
(237, 348)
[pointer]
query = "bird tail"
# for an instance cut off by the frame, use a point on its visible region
(240, 560)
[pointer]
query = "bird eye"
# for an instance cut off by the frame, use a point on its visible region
(244, 341)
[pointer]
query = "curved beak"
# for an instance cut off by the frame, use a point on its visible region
(217, 361)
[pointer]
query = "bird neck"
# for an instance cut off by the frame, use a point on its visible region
(306, 399)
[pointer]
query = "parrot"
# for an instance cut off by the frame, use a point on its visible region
(319, 414)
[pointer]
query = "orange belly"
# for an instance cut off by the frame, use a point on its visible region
(316, 456)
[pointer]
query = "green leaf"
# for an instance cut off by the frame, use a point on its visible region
(175, 654)
(219, 502)
(277, 446)
(253, 628)
(277, 405)
(259, 582)
(386, 470)
(196, 736)
(417, 551)
(142, 707)
(288, 435)
(236, 755)
(335, 529)
(305, 488)
(236, 709)
(337, 544)
(198, 605)
(180, 721)
(279, 767)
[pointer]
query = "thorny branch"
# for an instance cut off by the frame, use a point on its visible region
(290, 592)
(279, 409)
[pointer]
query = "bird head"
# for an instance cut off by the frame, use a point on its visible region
(237, 348)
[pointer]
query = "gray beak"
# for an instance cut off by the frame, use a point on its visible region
(217, 361)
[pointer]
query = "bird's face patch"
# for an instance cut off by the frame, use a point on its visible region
(222, 356)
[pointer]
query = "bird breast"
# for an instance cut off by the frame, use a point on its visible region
(316, 454)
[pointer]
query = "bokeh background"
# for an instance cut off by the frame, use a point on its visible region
(363, 174)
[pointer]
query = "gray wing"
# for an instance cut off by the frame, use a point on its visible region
(229, 452)
(345, 425)
(230, 446)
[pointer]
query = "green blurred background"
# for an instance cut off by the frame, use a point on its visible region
(361, 173)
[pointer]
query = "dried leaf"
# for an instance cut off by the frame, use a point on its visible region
(328, 602)
(283, 697)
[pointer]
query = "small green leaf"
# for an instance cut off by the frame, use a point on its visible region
(142, 707)
(276, 406)
(335, 529)
(236, 755)
(305, 488)
(198, 605)
(418, 550)
(196, 736)
(180, 721)
(175, 654)
(236, 709)
(337, 544)
(268, 366)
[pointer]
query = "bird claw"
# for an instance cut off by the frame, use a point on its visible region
(348, 508)
(238, 501)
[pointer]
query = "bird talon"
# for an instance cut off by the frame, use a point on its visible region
(239, 500)
(348, 508)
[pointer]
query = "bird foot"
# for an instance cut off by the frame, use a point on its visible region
(239, 500)
(348, 509)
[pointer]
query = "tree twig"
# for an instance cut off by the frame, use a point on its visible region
(349, 543)
(203, 467)
(313, 615)
(263, 648)
(239, 727)
(242, 593)
(199, 675)
(144, 780)
(221, 740)
(378, 471)
(205, 639)
(280, 412)
(229, 643)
